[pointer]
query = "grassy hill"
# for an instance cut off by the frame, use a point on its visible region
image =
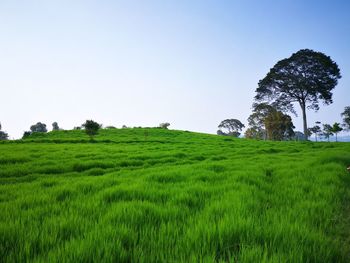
(153, 195)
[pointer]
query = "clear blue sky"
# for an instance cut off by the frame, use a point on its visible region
(140, 63)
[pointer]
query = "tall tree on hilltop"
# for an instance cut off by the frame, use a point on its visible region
(306, 78)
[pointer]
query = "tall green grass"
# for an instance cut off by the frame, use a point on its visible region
(152, 195)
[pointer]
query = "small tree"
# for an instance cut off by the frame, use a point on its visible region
(39, 127)
(220, 132)
(26, 134)
(253, 133)
(91, 128)
(55, 126)
(3, 135)
(164, 125)
(279, 126)
(233, 127)
(299, 136)
(336, 129)
(315, 130)
(346, 118)
(256, 120)
(327, 131)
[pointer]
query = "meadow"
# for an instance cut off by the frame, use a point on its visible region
(155, 195)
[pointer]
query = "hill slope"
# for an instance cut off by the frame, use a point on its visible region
(153, 195)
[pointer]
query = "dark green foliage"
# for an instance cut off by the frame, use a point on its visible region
(3, 135)
(39, 127)
(55, 126)
(315, 130)
(256, 121)
(91, 128)
(327, 131)
(233, 127)
(164, 125)
(336, 129)
(279, 126)
(306, 78)
(267, 122)
(346, 117)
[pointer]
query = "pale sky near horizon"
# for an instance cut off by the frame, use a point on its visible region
(191, 63)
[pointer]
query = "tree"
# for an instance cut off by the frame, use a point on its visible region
(279, 126)
(3, 135)
(327, 131)
(91, 128)
(256, 120)
(315, 130)
(55, 126)
(164, 125)
(346, 118)
(39, 127)
(306, 78)
(299, 136)
(220, 132)
(26, 134)
(253, 133)
(336, 129)
(233, 127)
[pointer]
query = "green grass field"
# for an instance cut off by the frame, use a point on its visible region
(153, 195)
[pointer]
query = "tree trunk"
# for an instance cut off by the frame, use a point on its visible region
(303, 108)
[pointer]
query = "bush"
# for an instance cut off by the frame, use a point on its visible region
(39, 127)
(91, 128)
(164, 125)
(3, 136)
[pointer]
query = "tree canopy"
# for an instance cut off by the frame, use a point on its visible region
(55, 126)
(336, 129)
(39, 127)
(306, 78)
(346, 117)
(91, 128)
(327, 131)
(256, 120)
(164, 125)
(279, 126)
(3, 135)
(233, 127)
(315, 130)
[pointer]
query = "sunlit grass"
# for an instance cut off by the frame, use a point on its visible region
(152, 195)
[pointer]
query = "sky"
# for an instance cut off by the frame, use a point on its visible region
(192, 63)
